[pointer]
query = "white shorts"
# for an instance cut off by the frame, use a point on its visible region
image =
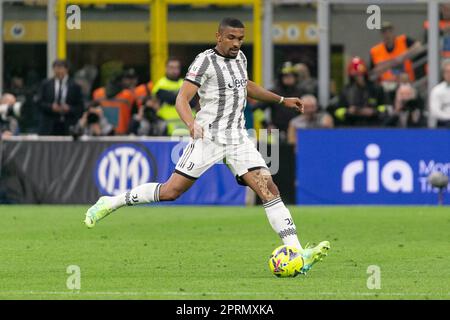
(201, 154)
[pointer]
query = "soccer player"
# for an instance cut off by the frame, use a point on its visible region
(219, 76)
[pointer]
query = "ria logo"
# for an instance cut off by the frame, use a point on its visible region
(396, 175)
(124, 167)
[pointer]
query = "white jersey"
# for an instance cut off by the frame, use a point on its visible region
(222, 90)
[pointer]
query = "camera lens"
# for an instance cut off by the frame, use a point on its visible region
(92, 118)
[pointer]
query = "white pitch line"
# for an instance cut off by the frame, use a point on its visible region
(113, 293)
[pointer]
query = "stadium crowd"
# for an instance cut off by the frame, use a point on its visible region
(379, 94)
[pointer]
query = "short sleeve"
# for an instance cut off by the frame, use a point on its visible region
(197, 72)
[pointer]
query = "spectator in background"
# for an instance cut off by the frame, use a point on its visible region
(17, 88)
(361, 102)
(166, 91)
(142, 92)
(60, 101)
(130, 79)
(439, 115)
(28, 120)
(93, 123)
(311, 118)
(85, 78)
(306, 84)
(392, 57)
(408, 107)
(117, 100)
(286, 86)
(146, 121)
(444, 30)
(8, 123)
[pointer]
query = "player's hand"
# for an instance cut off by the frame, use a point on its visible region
(195, 130)
(295, 103)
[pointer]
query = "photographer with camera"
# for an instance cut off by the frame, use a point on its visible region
(9, 112)
(147, 122)
(408, 108)
(93, 123)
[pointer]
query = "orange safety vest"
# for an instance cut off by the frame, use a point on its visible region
(117, 109)
(380, 54)
(142, 91)
(443, 24)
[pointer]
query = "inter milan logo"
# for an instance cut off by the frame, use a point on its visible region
(124, 167)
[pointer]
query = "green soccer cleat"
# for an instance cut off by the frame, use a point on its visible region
(98, 211)
(313, 254)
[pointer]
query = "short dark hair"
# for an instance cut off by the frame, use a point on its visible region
(386, 25)
(60, 63)
(231, 22)
(172, 58)
(129, 73)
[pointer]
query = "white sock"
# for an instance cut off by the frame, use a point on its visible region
(145, 193)
(282, 223)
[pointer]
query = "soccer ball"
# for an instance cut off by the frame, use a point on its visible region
(286, 261)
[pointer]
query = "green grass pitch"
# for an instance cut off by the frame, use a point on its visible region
(221, 253)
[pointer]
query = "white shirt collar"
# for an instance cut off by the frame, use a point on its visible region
(64, 80)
